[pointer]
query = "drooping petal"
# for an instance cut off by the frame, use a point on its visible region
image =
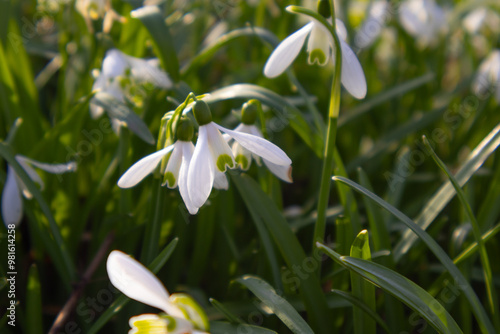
(142, 168)
(282, 172)
(200, 176)
(173, 166)
(149, 71)
(259, 146)
(220, 181)
(31, 173)
(221, 152)
(12, 203)
(159, 324)
(187, 154)
(286, 52)
(51, 168)
(114, 64)
(193, 311)
(138, 283)
(352, 77)
(340, 29)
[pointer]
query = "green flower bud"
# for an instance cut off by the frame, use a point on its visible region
(185, 130)
(324, 8)
(250, 111)
(202, 112)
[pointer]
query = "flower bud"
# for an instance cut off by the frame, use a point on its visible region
(250, 111)
(202, 112)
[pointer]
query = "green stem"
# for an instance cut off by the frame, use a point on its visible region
(483, 254)
(152, 234)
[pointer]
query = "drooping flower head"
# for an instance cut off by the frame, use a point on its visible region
(423, 19)
(244, 157)
(377, 14)
(12, 203)
(487, 79)
(320, 47)
(182, 314)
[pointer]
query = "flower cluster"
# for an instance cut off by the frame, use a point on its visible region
(182, 314)
(197, 169)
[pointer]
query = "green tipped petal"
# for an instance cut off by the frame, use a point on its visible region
(224, 160)
(192, 310)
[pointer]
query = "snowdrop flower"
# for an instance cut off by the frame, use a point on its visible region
(320, 46)
(212, 154)
(177, 166)
(479, 17)
(242, 156)
(12, 204)
(183, 314)
(374, 23)
(92, 10)
(487, 79)
(423, 19)
(117, 67)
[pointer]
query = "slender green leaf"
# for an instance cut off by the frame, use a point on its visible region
(279, 305)
(400, 287)
(472, 249)
(34, 303)
(232, 318)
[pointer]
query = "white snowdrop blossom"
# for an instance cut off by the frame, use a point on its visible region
(176, 169)
(480, 17)
(423, 19)
(487, 79)
(120, 71)
(212, 154)
(370, 30)
(12, 203)
(182, 314)
(320, 46)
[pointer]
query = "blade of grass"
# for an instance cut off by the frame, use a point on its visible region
(232, 318)
(34, 303)
(481, 316)
(466, 253)
(488, 276)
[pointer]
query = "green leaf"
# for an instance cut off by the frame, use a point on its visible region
(121, 301)
(446, 192)
(232, 318)
(400, 287)
(34, 303)
(227, 328)
(478, 309)
(259, 204)
(119, 110)
(362, 306)
(363, 324)
(472, 249)
(279, 305)
(153, 20)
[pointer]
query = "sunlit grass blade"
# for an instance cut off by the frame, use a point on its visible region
(65, 267)
(446, 192)
(356, 302)
(488, 276)
(34, 303)
(280, 306)
(309, 286)
(400, 287)
(153, 20)
(472, 249)
(232, 318)
(120, 302)
(477, 307)
(364, 291)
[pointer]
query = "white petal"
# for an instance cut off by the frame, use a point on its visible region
(51, 168)
(222, 155)
(200, 176)
(31, 173)
(282, 172)
(340, 29)
(142, 168)
(114, 64)
(242, 156)
(259, 146)
(286, 52)
(353, 77)
(12, 203)
(187, 154)
(220, 181)
(174, 165)
(149, 71)
(475, 19)
(137, 282)
(319, 45)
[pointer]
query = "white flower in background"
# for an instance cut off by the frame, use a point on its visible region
(378, 14)
(183, 314)
(92, 10)
(242, 156)
(479, 17)
(212, 154)
(12, 203)
(487, 79)
(177, 166)
(423, 19)
(120, 71)
(320, 46)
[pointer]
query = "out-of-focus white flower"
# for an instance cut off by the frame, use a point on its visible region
(12, 203)
(92, 10)
(370, 30)
(212, 154)
(423, 19)
(487, 79)
(183, 314)
(320, 46)
(119, 72)
(479, 17)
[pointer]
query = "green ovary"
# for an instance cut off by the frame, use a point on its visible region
(224, 160)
